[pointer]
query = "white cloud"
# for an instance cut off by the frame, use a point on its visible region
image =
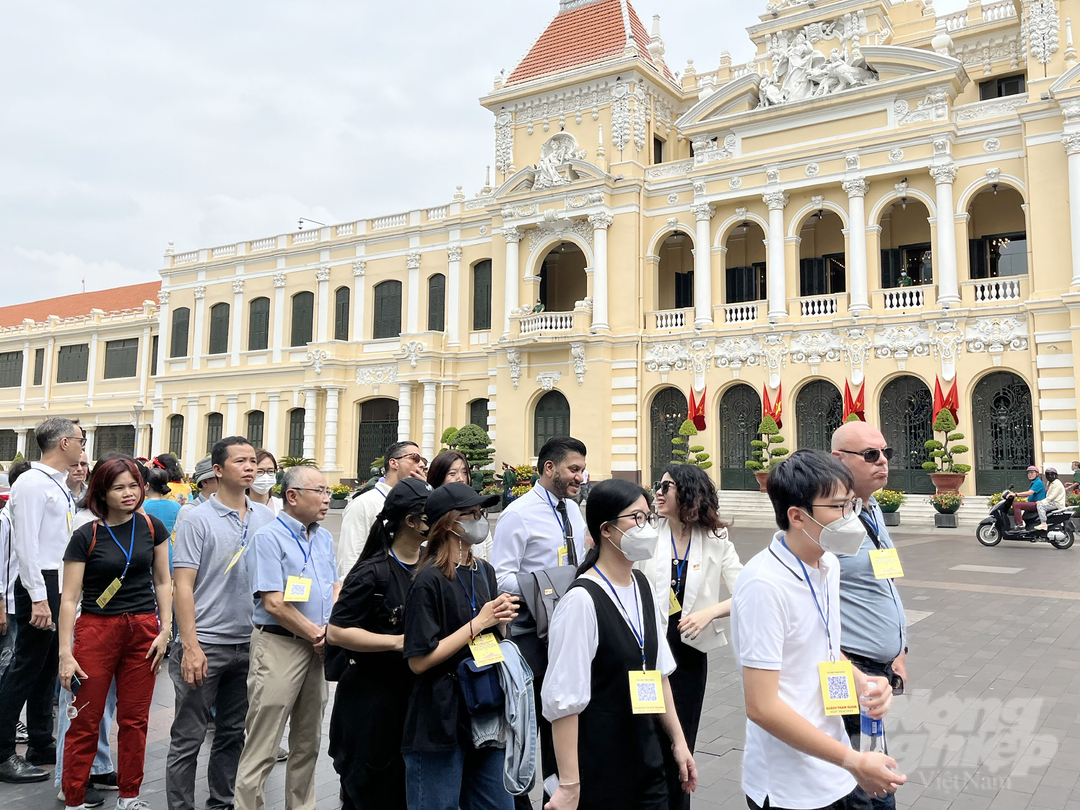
(54, 274)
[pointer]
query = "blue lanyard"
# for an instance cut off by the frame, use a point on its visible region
(824, 615)
(403, 565)
(472, 581)
(555, 511)
(680, 565)
(131, 546)
(638, 637)
(868, 516)
(67, 494)
(306, 553)
(242, 525)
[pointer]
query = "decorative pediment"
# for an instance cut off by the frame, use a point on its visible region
(738, 95)
(550, 175)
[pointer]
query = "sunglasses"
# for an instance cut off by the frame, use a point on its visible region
(872, 455)
(415, 458)
(663, 486)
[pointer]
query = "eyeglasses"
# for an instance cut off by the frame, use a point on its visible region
(847, 508)
(320, 490)
(871, 456)
(415, 458)
(641, 518)
(475, 513)
(663, 486)
(80, 439)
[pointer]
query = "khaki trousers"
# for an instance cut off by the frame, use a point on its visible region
(285, 682)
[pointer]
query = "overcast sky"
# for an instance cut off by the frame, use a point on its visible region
(128, 124)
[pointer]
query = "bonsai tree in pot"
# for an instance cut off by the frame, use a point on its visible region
(475, 445)
(695, 454)
(945, 472)
(768, 451)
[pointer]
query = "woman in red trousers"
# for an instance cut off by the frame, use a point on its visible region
(117, 568)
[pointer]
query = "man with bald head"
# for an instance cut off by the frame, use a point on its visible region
(871, 614)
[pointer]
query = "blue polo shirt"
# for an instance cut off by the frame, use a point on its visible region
(1039, 490)
(284, 548)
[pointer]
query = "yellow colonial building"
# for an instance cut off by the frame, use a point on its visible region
(881, 195)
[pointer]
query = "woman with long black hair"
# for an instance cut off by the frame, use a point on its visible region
(692, 558)
(374, 687)
(606, 691)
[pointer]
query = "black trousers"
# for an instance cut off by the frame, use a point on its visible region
(535, 652)
(853, 725)
(856, 800)
(31, 678)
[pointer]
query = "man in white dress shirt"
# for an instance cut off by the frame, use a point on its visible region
(42, 511)
(541, 529)
(402, 461)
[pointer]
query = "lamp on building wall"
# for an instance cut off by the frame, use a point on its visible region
(302, 220)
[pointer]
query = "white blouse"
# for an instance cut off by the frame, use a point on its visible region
(572, 642)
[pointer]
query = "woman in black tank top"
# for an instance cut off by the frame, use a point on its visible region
(608, 668)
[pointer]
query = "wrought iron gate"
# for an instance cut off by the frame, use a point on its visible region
(667, 414)
(378, 430)
(740, 415)
(907, 410)
(551, 419)
(819, 411)
(1004, 436)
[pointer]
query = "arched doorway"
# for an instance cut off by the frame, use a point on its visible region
(745, 277)
(1004, 435)
(906, 255)
(667, 414)
(562, 278)
(550, 419)
(822, 259)
(906, 410)
(997, 236)
(819, 411)
(675, 272)
(740, 415)
(378, 430)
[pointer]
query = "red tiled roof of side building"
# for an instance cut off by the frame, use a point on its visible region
(583, 36)
(70, 306)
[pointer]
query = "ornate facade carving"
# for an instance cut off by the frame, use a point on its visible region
(856, 187)
(665, 170)
(412, 351)
(238, 285)
(702, 211)
(163, 297)
(412, 260)
(316, 358)
(735, 183)
(453, 253)
(896, 155)
(517, 211)
(855, 345)
(666, 357)
(513, 234)
(813, 348)
(775, 351)
(513, 356)
(279, 280)
(933, 107)
(947, 341)
(620, 115)
(359, 267)
(711, 150)
(579, 227)
(322, 274)
(775, 200)
(575, 201)
(1041, 29)
(548, 379)
(812, 170)
(997, 335)
(577, 354)
(504, 142)
(979, 110)
(200, 292)
(991, 145)
(1071, 142)
(554, 155)
(376, 375)
(673, 198)
(945, 173)
(902, 342)
(734, 353)
(601, 221)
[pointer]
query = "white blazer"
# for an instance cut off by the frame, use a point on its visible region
(712, 557)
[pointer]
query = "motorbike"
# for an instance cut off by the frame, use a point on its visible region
(1061, 525)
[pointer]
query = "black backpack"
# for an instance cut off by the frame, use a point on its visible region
(337, 659)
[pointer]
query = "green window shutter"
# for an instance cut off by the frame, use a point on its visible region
(176, 435)
(121, 358)
(437, 303)
(180, 320)
(341, 313)
(219, 329)
(387, 321)
(11, 365)
(482, 296)
(303, 316)
(258, 324)
(255, 422)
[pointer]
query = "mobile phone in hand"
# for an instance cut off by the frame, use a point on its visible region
(76, 685)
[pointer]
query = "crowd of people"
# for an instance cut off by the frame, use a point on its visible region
(566, 647)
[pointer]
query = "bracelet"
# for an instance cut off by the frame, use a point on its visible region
(569, 784)
(471, 636)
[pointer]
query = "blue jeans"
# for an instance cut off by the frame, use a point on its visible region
(103, 761)
(469, 778)
(7, 644)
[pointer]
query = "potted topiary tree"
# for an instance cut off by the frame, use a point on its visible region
(768, 451)
(947, 475)
(474, 443)
(695, 454)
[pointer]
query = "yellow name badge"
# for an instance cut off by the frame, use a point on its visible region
(235, 559)
(646, 692)
(564, 556)
(109, 593)
(838, 688)
(69, 517)
(673, 603)
(297, 589)
(485, 650)
(886, 562)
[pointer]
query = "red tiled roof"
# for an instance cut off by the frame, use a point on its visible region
(583, 36)
(69, 306)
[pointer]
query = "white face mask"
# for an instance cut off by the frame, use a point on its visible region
(475, 531)
(638, 543)
(263, 483)
(843, 536)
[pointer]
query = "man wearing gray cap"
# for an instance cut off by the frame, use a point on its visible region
(207, 483)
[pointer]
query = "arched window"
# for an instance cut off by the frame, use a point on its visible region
(819, 411)
(214, 422)
(563, 281)
(675, 272)
(667, 414)
(255, 422)
(998, 230)
(481, 291)
(436, 301)
(740, 417)
(303, 316)
(387, 321)
(176, 435)
(378, 430)
(906, 411)
(1004, 432)
(259, 324)
(478, 413)
(180, 319)
(551, 418)
(745, 276)
(822, 262)
(906, 253)
(296, 432)
(219, 328)
(341, 314)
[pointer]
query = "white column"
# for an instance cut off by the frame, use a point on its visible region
(310, 408)
(945, 250)
(1071, 141)
(513, 272)
(236, 323)
(157, 438)
(777, 272)
(192, 451)
(50, 353)
(89, 432)
(144, 366)
(600, 222)
(25, 373)
(324, 306)
(359, 268)
(453, 296)
(412, 322)
(703, 213)
(230, 414)
(197, 334)
(404, 410)
(164, 333)
(427, 440)
(329, 461)
(272, 436)
(20, 442)
(857, 282)
(278, 316)
(91, 370)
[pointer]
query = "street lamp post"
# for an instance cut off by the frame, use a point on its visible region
(137, 410)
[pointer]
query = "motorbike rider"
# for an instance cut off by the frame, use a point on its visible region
(1055, 498)
(1033, 495)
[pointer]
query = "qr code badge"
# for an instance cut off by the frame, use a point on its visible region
(838, 687)
(646, 692)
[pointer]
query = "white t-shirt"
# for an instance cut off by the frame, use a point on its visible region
(775, 625)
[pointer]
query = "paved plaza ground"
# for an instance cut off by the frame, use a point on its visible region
(991, 715)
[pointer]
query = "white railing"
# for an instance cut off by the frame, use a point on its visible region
(904, 298)
(305, 236)
(954, 22)
(998, 11)
(740, 313)
(186, 258)
(670, 319)
(436, 213)
(393, 221)
(345, 230)
(547, 322)
(998, 289)
(227, 250)
(264, 244)
(818, 305)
